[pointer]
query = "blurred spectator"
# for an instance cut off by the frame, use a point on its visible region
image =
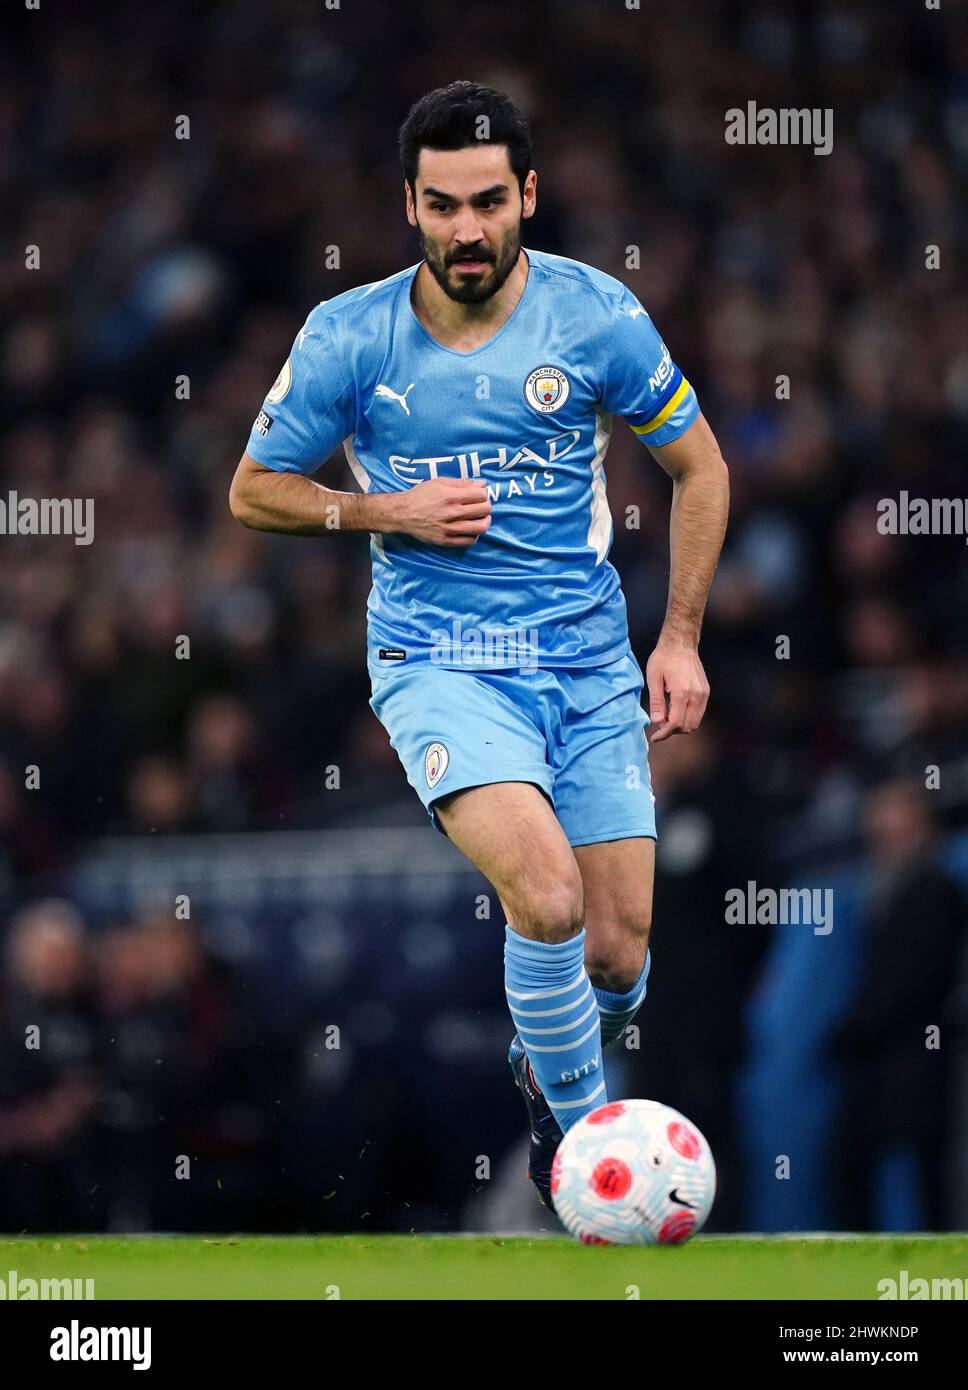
(163, 1011)
(158, 797)
(894, 1043)
(49, 1081)
(691, 1027)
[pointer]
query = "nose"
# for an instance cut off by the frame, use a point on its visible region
(469, 231)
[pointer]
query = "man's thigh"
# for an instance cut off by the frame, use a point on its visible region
(474, 747)
(510, 832)
(518, 770)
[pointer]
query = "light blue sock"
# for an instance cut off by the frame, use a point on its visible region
(556, 1014)
(618, 1010)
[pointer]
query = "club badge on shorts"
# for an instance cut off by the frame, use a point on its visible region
(547, 389)
(435, 763)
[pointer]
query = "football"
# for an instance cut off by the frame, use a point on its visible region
(633, 1172)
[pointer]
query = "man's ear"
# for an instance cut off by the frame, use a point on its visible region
(534, 193)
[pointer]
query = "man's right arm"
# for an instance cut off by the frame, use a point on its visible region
(442, 511)
(310, 408)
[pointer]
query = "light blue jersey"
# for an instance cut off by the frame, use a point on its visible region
(530, 413)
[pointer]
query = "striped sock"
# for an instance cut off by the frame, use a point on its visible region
(618, 1010)
(556, 1014)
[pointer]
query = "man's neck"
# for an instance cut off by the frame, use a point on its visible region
(466, 326)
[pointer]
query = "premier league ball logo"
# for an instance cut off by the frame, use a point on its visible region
(280, 387)
(546, 389)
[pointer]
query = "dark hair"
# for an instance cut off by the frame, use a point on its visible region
(447, 119)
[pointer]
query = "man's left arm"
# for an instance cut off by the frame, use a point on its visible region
(700, 505)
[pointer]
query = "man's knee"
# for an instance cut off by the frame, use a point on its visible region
(552, 908)
(615, 950)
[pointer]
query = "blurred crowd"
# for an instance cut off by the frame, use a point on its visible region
(109, 1046)
(170, 277)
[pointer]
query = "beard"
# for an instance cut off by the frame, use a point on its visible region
(477, 288)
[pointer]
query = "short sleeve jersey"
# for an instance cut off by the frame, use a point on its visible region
(530, 413)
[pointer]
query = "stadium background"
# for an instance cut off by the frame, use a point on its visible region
(316, 907)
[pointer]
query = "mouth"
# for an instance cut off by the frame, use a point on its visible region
(470, 263)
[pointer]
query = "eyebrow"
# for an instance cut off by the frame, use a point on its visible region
(449, 197)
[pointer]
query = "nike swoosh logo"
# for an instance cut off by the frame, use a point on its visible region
(680, 1201)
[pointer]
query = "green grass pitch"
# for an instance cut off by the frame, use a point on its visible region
(481, 1267)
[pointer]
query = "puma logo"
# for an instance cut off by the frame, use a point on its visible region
(634, 313)
(392, 395)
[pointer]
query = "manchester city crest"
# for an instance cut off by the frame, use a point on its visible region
(547, 389)
(435, 763)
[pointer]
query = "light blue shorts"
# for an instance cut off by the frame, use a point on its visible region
(577, 734)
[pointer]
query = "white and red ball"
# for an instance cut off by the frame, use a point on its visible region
(633, 1172)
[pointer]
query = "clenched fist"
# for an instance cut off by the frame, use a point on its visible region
(444, 511)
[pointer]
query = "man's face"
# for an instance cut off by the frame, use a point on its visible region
(468, 212)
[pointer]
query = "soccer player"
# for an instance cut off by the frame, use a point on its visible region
(474, 394)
